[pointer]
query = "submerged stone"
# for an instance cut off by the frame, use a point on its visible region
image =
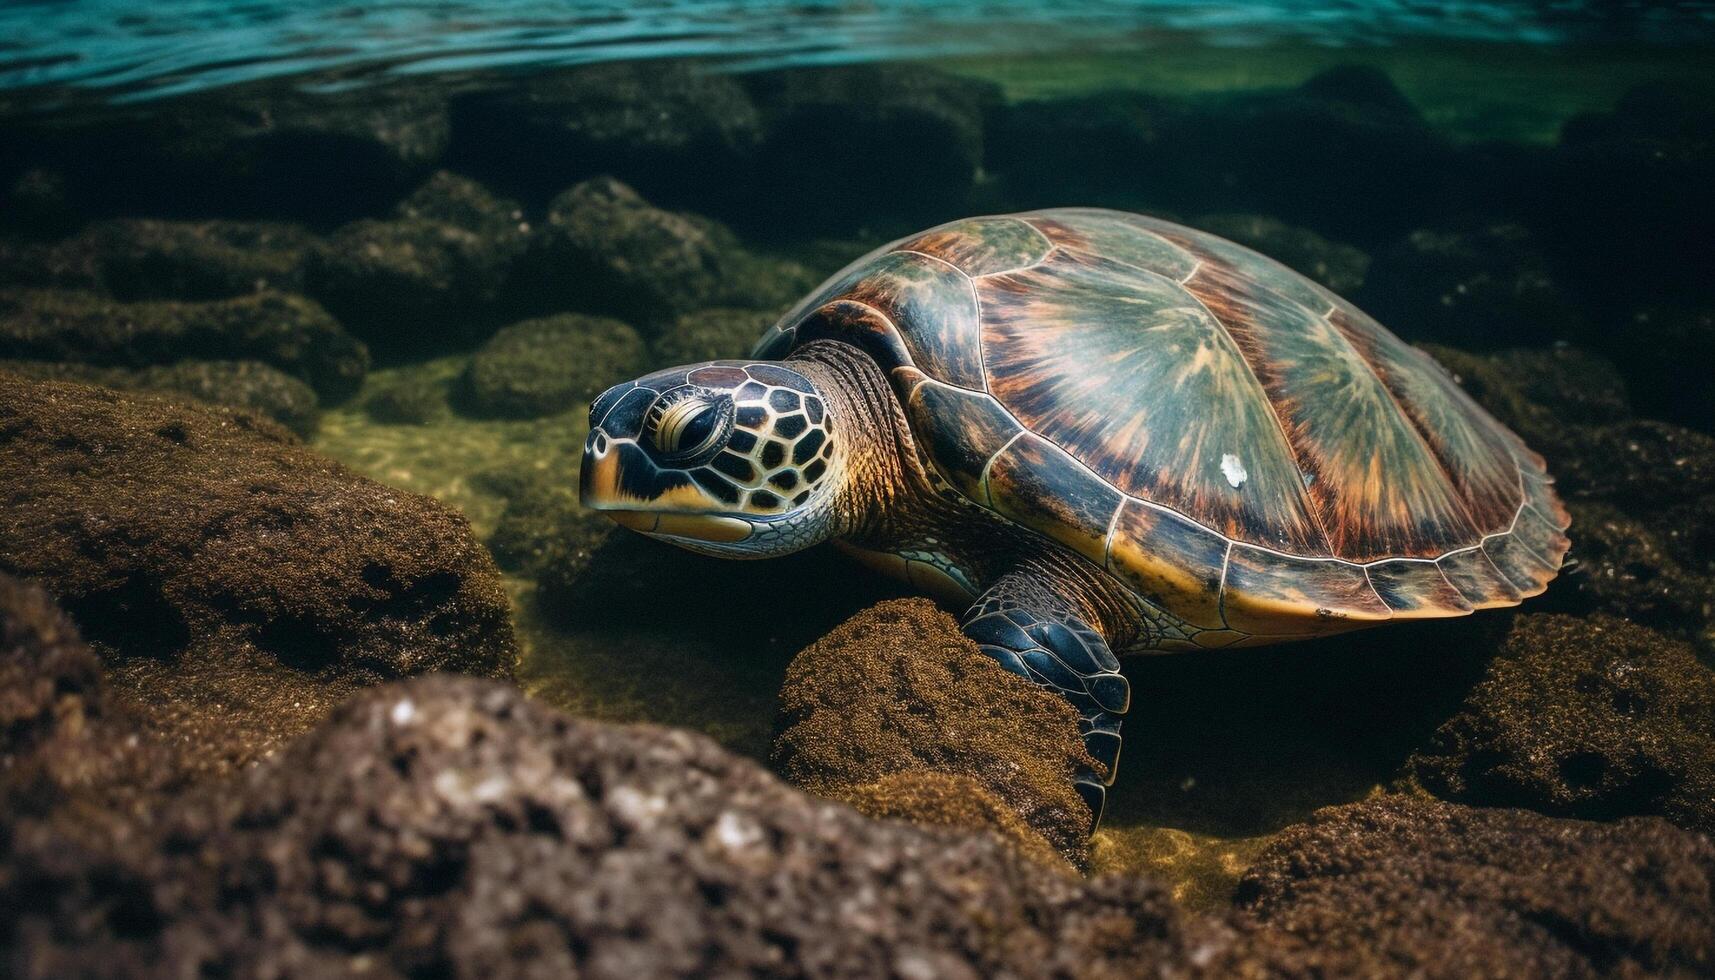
(1399, 886)
(236, 583)
(138, 258)
(550, 365)
(1593, 718)
(459, 825)
(711, 335)
(289, 332)
(235, 384)
(899, 689)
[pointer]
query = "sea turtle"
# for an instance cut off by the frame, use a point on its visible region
(1098, 432)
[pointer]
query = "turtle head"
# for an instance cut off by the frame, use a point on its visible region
(731, 458)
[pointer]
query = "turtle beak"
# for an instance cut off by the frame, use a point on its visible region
(619, 479)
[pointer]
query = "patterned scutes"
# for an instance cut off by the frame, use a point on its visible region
(1243, 448)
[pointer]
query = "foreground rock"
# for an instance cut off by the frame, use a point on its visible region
(1590, 718)
(1405, 887)
(289, 332)
(237, 583)
(546, 366)
(898, 690)
(454, 826)
(234, 384)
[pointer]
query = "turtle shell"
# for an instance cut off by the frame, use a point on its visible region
(1243, 448)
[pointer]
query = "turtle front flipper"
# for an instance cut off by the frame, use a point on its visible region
(1033, 631)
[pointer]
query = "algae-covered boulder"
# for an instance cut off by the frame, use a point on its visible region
(454, 826)
(1593, 718)
(712, 335)
(235, 384)
(143, 258)
(430, 277)
(289, 332)
(1336, 265)
(1402, 887)
(50, 681)
(898, 689)
(237, 583)
(546, 366)
(675, 129)
(604, 249)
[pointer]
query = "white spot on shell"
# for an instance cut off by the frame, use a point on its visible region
(1233, 470)
(403, 712)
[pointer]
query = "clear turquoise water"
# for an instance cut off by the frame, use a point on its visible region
(135, 50)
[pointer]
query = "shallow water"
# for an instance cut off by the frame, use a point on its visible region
(1467, 118)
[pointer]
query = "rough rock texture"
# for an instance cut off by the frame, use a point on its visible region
(62, 738)
(898, 689)
(289, 332)
(1336, 265)
(711, 335)
(938, 799)
(237, 583)
(546, 366)
(138, 258)
(235, 384)
(846, 144)
(447, 826)
(604, 249)
(431, 276)
(1593, 718)
(1404, 887)
(669, 127)
(1480, 288)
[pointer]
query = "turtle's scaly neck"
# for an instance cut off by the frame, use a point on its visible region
(886, 488)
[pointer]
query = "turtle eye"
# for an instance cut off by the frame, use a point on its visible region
(685, 423)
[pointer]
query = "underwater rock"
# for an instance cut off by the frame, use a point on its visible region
(543, 525)
(711, 335)
(847, 144)
(236, 583)
(1546, 395)
(62, 736)
(1626, 568)
(289, 332)
(137, 258)
(235, 384)
(1482, 288)
(265, 150)
(1593, 718)
(606, 250)
(428, 279)
(1640, 466)
(445, 825)
(1338, 266)
(899, 689)
(546, 366)
(1400, 886)
(676, 130)
(929, 798)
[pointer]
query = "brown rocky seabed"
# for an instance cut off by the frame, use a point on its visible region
(218, 754)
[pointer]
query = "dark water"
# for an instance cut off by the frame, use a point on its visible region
(1494, 178)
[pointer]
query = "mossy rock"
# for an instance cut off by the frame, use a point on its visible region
(711, 335)
(546, 366)
(236, 384)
